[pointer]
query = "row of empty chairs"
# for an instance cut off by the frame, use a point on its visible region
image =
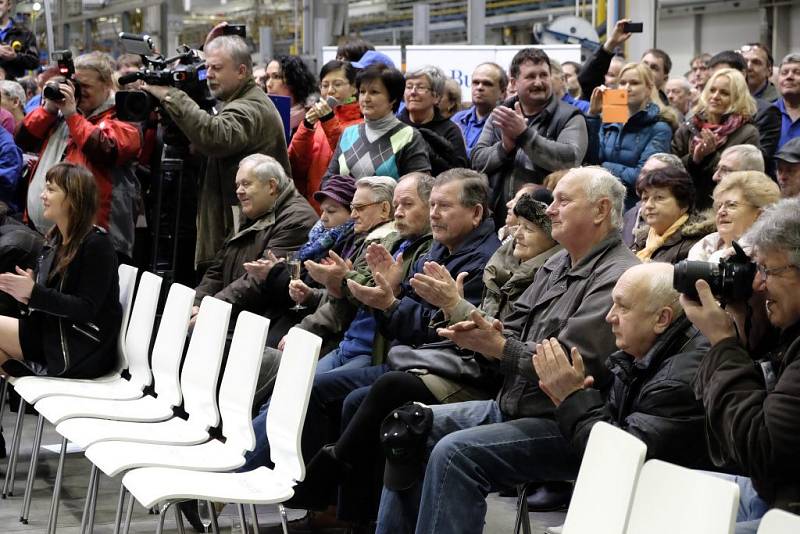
(128, 429)
(617, 492)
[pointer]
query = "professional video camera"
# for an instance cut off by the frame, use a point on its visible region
(731, 280)
(66, 69)
(185, 71)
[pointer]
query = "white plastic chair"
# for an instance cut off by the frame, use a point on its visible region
(151, 485)
(33, 388)
(198, 385)
(778, 521)
(671, 499)
(235, 405)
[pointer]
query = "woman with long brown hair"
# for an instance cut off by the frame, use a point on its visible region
(72, 316)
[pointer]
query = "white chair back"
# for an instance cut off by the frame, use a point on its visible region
(170, 342)
(140, 329)
(200, 373)
(127, 284)
(778, 521)
(239, 380)
(287, 410)
(670, 498)
(606, 481)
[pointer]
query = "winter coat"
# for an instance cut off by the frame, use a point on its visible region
(10, 171)
(27, 56)
(555, 139)
(20, 246)
(702, 173)
(409, 321)
(73, 320)
(312, 148)
(103, 144)
(652, 398)
(446, 148)
(282, 230)
(624, 148)
(677, 246)
(247, 123)
(569, 303)
(752, 425)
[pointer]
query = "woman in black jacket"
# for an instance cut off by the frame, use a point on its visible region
(73, 315)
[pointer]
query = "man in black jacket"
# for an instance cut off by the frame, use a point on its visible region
(752, 396)
(18, 51)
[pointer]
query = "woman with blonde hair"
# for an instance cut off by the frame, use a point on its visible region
(739, 199)
(722, 118)
(623, 147)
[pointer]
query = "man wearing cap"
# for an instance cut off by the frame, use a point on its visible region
(568, 300)
(788, 158)
(18, 51)
(372, 57)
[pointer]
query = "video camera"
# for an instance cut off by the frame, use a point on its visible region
(185, 71)
(731, 280)
(66, 70)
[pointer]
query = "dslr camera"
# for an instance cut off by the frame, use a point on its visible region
(731, 280)
(66, 70)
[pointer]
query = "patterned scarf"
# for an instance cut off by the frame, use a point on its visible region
(721, 131)
(321, 240)
(654, 241)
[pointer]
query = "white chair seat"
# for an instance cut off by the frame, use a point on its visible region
(147, 409)
(777, 521)
(111, 386)
(85, 431)
(113, 457)
(151, 485)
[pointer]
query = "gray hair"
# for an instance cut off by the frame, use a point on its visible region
(660, 291)
(671, 160)
(435, 76)
(236, 48)
(424, 184)
(684, 83)
(381, 187)
(750, 157)
(602, 184)
(12, 89)
(792, 57)
(266, 168)
(474, 187)
(100, 63)
(555, 67)
(778, 229)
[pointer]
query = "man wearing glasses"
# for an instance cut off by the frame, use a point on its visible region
(750, 383)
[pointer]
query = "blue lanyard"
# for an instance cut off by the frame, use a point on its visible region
(4, 31)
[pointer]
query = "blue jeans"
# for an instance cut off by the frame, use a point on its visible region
(323, 415)
(751, 507)
(474, 451)
(335, 360)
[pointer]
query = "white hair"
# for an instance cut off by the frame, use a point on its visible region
(750, 157)
(602, 184)
(778, 229)
(12, 89)
(266, 168)
(381, 187)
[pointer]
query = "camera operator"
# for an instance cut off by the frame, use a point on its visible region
(18, 51)
(85, 130)
(752, 396)
(247, 123)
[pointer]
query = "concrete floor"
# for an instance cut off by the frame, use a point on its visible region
(499, 520)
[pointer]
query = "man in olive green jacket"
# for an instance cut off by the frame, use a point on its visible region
(246, 123)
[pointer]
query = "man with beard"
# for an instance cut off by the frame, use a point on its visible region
(246, 123)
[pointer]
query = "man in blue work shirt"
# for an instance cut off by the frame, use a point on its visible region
(789, 102)
(489, 82)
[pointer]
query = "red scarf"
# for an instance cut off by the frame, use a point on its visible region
(721, 131)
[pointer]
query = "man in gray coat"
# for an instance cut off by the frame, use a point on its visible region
(530, 135)
(568, 300)
(247, 123)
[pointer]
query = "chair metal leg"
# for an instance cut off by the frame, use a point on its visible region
(178, 518)
(284, 522)
(3, 395)
(240, 508)
(254, 518)
(162, 516)
(37, 442)
(120, 504)
(88, 501)
(129, 514)
(212, 513)
(8, 484)
(51, 524)
(93, 503)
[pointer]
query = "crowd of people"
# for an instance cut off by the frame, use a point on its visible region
(503, 271)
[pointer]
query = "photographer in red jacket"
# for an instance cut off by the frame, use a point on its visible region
(81, 127)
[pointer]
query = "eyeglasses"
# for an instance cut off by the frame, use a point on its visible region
(338, 84)
(421, 89)
(358, 208)
(730, 205)
(774, 271)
